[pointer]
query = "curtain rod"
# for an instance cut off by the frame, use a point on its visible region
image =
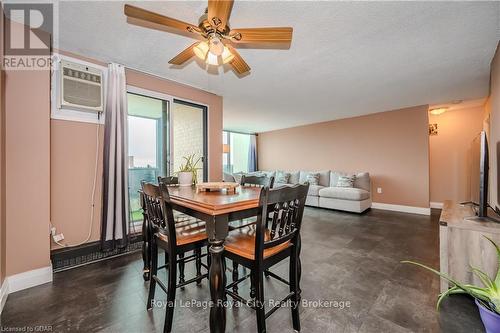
(256, 134)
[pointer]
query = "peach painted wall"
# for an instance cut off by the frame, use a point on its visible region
(450, 153)
(493, 107)
(27, 170)
(393, 146)
(72, 162)
(73, 155)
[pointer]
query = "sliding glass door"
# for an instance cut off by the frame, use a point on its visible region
(148, 145)
(161, 131)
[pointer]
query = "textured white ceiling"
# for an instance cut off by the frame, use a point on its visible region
(346, 58)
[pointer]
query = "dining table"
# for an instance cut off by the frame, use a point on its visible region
(217, 209)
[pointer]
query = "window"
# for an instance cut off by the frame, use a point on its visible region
(142, 140)
(236, 152)
(147, 147)
(160, 132)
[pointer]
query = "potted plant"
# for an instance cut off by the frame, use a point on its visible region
(188, 172)
(487, 298)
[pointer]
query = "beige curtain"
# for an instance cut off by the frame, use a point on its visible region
(115, 213)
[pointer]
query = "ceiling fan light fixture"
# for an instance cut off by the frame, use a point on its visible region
(227, 56)
(201, 50)
(214, 30)
(212, 59)
(216, 46)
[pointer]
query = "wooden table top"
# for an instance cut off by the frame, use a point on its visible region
(215, 203)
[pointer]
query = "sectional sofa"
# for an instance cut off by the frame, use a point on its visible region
(325, 193)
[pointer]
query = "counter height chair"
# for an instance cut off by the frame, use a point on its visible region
(181, 218)
(175, 239)
(168, 181)
(274, 237)
(252, 181)
(255, 180)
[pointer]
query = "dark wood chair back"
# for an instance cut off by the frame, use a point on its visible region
(284, 208)
(174, 181)
(159, 210)
(169, 181)
(259, 181)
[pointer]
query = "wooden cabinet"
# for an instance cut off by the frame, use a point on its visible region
(462, 244)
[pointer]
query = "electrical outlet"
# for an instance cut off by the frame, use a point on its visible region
(58, 238)
(379, 190)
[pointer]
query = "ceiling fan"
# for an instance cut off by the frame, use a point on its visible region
(218, 40)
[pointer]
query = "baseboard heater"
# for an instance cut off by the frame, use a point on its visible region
(66, 258)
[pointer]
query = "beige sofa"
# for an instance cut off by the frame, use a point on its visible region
(326, 194)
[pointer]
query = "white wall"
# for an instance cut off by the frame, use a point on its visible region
(187, 134)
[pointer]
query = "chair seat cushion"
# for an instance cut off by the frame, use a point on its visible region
(242, 242)
(345, 193)
(314, 190)
(186, 233)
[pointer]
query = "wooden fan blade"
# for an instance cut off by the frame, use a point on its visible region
(218, 12)
(146, 15)
(262, 35)
(183, 56)
(238, 64)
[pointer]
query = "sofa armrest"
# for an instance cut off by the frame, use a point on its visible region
(227, 177)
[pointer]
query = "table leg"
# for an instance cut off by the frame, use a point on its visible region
(217, 276)
(217, 232)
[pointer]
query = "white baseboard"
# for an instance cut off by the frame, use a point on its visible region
(29, 279)
(401, 208)
(438, 205)
(4, 293)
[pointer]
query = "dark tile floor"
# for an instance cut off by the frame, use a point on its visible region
(349, 258)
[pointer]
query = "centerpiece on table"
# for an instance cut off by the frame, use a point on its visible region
(229, 187)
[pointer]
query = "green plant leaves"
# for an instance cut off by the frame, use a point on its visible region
(497, 278)
(453, 290)
(488, 296)
(485, 279)
(190, 165)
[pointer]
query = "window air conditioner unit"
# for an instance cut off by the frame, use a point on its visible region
(80, 87)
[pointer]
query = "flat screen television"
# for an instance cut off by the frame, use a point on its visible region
(479, 174)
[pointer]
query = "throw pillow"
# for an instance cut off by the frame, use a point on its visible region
(312, 178)
(346, 181)
(282, 177)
